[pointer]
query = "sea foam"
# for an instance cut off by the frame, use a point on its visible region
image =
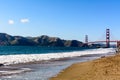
(25, 58)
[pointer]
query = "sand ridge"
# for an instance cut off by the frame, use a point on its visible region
(107, 68)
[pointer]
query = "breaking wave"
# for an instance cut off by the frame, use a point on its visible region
(25, 58)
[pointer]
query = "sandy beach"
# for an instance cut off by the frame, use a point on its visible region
(107, 68)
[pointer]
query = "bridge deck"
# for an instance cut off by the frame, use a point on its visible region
(104, 41)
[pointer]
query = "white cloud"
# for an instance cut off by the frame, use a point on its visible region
(10, 22)
(25, 20)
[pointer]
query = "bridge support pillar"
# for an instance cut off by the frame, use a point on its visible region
(107, 38)
(86, 38)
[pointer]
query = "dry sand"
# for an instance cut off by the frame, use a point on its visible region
(101, 69)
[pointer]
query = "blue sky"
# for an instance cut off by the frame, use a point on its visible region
(67, 19)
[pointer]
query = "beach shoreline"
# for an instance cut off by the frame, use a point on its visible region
(12, 69)
(45, 69)
(104, 68)
(23, 68)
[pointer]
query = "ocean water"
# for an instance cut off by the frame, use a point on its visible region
(41, 63)
(23, 54)
(13, 50)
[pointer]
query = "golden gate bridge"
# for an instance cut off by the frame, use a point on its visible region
(107, 41)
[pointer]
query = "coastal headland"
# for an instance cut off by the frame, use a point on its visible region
(43, 40)
(106, 68)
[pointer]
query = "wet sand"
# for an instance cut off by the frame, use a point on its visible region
(41, 69)
(10, 70)
(106, 68)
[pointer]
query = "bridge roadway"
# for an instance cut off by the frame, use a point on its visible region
(104, 41)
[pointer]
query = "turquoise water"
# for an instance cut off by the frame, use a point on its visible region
(12, 50)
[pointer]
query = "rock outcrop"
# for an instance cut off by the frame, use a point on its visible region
(5, 39)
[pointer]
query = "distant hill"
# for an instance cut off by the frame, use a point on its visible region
(43, 40)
